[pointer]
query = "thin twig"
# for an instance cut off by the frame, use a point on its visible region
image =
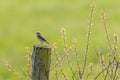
(59, 62)
(91, 70)
(67, 50)
(107, 67)
(101, 72)
(77, 58)
(88, 37)
(114, 76)
(105, 77)
(106, 31)
(113, 49)
(102, 60)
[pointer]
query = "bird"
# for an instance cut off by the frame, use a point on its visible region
(41, 38)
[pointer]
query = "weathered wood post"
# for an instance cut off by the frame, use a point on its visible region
(41, 59)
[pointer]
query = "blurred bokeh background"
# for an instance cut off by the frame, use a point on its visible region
(21, 19)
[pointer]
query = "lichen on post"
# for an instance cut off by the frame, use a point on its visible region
(41, 58)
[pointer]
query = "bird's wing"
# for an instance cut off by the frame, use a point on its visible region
(41, 38)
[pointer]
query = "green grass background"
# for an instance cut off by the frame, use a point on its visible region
(20, 19)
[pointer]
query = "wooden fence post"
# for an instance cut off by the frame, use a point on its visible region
(41, 59)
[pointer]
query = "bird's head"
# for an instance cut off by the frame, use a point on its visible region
(38, 33)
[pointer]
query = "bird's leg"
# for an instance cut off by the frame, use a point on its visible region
(41, 42)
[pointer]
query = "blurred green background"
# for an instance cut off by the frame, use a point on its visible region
(21, 19)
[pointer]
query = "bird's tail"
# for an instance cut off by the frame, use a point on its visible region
(47, 42)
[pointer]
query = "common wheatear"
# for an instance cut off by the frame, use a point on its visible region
(41, 38)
